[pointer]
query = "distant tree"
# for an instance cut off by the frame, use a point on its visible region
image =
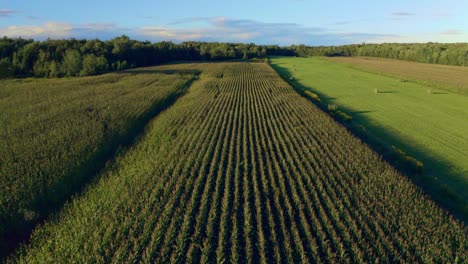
(218, 54)
(204, 52)
(120, 46)
(16, 63)
(55, 58)
(262, 52)
(465, 58)
(27, 57)
(245, 56)
(89, 65)
(72, 63)
(101, 65)
(6, 68)
(121, 65)
(41, 66)
(231, 53)
(54, 69)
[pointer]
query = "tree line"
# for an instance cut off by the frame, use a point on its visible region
(72, 57)
(437, 53)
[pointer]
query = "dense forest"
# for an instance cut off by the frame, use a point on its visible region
(72, 57)
(437, 53)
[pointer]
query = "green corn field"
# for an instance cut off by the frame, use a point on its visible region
(240, 169)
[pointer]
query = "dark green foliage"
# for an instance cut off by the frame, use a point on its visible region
(343, 116)
(245, 56)
(332, 107)
(6, 68)
(25, 58)
(414, 165)
(313, 96)
(121, 65)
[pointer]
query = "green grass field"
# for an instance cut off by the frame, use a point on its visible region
(451, 78)
(431, 127)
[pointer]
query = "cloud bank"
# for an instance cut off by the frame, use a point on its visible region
(46, 30)
(222, 29)
(245, 30)
(56, 30)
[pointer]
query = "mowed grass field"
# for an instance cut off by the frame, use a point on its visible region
(242, 169)
(55, 134)
(451, 78)
(431, 127)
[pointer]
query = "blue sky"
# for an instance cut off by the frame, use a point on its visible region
(311, 22)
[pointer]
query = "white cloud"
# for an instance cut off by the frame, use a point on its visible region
(50, 29)
(57, 30)
(162, 33)
(449, 36)
(245, 30)
(216, 29)
(221, 29)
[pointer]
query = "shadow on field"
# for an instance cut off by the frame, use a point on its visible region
(387, 92)
(381, 140)
(359, 114)
(354, 113)
(439, 93)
